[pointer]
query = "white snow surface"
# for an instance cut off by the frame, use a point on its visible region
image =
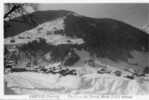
(39, 83)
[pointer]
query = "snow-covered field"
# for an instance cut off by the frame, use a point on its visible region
(41, 83)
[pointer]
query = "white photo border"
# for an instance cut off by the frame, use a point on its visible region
(2, 96)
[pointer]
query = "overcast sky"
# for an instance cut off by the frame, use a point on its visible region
(135, 14)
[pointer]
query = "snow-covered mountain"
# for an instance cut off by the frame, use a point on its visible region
(79, 42)
(59, 33)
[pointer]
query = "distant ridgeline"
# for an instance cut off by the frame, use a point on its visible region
(50, 40)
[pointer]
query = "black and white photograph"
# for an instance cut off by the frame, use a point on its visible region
(76, 48)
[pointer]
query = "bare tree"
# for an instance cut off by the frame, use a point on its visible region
(13, 10)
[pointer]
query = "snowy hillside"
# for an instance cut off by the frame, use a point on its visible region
(44, 31)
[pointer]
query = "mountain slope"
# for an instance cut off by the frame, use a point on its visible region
(29, 21)
(56, 35)
(107, 36)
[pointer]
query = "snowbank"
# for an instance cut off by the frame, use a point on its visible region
(39, 83)
(108, 84)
